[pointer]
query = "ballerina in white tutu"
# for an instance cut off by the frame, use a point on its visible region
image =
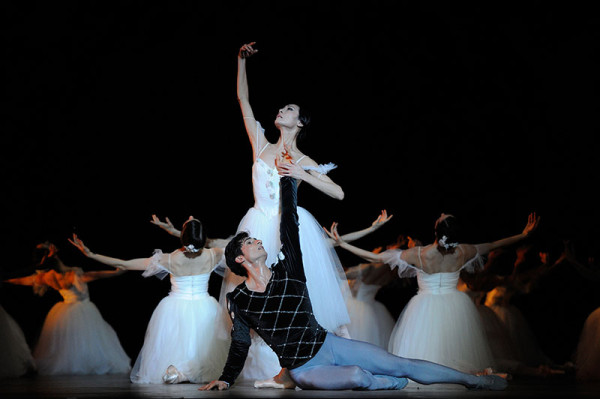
(370, 320)
(15, 356)
(440, 323)
(75, 339)
(181, 343)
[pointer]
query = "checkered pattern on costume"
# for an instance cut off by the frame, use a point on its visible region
(282, 315)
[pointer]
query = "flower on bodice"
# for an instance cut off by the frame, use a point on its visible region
(272, 183)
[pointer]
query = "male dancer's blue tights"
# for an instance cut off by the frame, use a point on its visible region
(343, 363)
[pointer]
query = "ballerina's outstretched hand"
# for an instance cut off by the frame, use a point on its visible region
(247, 50)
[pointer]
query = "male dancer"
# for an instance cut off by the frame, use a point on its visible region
(275, 303)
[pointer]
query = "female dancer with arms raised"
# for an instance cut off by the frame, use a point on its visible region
(440, 323)
(324, 273)
(181, 342)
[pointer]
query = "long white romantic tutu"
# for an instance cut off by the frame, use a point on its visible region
(75, 339)
(370, 321)
(15, 355)
(502, 346)
(442, 325)
(182, 332)
(526, 347)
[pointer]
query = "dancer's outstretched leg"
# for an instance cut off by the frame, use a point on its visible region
(345, 377)
(338, 353)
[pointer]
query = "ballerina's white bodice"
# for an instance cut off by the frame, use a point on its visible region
(72, 295)
(190, 287)
(437, 283)
(265, 184)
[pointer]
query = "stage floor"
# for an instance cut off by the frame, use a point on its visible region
(119, 386)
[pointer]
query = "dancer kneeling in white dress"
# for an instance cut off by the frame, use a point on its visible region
(181, 342)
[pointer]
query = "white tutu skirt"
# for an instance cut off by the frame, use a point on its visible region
(182, 333)
(499, 339)
(370, 321)
(15, 356)
(445, 329)
(587, 355)
(75, 339)
(526, 347)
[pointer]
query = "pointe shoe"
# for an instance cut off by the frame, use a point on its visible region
(280, 381)
(171, 376)
(268, 383)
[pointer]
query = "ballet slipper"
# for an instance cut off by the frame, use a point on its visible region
(280, 381)
(172, 376)
(268, 383)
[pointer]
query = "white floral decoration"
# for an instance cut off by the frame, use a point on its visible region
(447, 245)
(191, 248)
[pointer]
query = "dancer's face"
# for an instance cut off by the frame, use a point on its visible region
(288, 117)
(253, 249)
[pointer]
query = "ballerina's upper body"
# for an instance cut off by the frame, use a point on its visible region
(70, 282)
(445, 255)
(189, 260)
(292, 121)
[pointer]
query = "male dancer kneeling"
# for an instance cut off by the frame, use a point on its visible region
(275, 303)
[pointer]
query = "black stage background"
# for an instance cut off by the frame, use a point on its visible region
(114, 111)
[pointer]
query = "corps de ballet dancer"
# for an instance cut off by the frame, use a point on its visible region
(182, 343)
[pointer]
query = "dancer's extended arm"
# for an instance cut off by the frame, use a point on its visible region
(382, 219)
(366, 255)
(257, 140)
(26, 280)
(100, 274)
(485, 248)
(166, 226)
(131, 264)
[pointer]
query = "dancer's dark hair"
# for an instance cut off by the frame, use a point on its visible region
(448, 234)
(304, 116)
(193, 234)
(233, 250)
(43, 259)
